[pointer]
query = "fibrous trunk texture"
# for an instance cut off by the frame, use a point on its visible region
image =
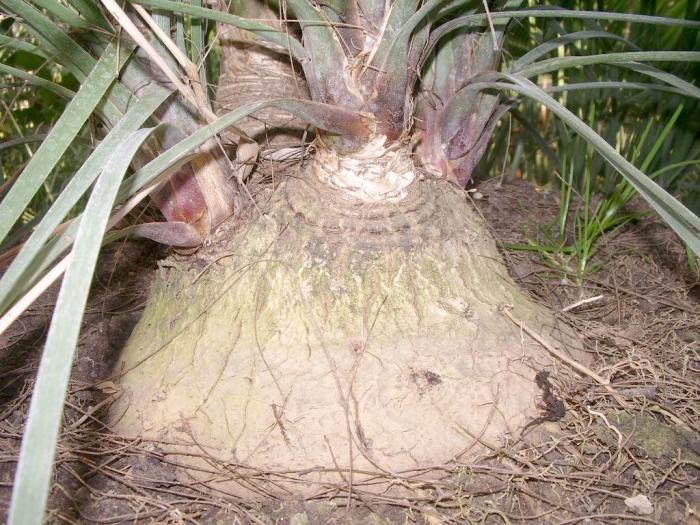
(251, 72)
(333, 337)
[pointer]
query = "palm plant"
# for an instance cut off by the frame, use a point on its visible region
(360, 321)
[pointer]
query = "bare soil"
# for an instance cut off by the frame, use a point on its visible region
(640, 436)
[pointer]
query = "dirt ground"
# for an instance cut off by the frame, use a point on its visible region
(627, 452)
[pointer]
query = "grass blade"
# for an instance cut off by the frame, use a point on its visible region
(35, 467)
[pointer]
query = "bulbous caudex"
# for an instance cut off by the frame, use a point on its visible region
(335, 339)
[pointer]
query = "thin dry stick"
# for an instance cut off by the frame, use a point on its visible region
(34, 293)
(92, 410)
(574, 364)
(493, 29)
(566, 359)
(494, 447)
(620, 438)
(582, 302)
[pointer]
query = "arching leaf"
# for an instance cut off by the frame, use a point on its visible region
(35, 466)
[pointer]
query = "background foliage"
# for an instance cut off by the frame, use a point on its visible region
(533, 145)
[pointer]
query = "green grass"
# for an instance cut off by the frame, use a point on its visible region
(587, 217)
(658, 131)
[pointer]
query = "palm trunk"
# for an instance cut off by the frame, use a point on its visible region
(251, 72)
(337, 333)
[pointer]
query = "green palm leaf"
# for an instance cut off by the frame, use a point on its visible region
(262, 31)
(34, 470)
(62, 135)
(684, 222)
(29, 262)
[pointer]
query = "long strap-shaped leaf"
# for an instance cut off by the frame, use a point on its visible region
(21, 45)
(62, 13)
(647, 69)
(37, 81)
(481, 18)
(34, 470)
(569, 38)
(683, 221)
(90, 11)
(53, 38)
(554, 64)
(326, 71)
(588, 86)
(539, 12)
(264, 32)
(626, 60)
(14, 276)
(63, 133)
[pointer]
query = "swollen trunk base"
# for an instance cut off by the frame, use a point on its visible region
(333, 340)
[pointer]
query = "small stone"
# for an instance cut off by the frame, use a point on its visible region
(299, 519)
(639, 504)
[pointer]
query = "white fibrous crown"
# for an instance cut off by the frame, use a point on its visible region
(373, 174)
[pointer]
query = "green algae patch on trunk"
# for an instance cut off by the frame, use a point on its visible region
(330, 343)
